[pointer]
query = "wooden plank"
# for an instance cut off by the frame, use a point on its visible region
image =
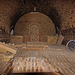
(2, 50)
(60, 39)
(33, 49)
(5, 48)
(35, 46)
(10, 56)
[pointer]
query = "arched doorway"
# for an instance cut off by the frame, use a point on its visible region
(34, 33)
(35, 27)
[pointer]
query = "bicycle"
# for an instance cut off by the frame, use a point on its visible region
(71, 44)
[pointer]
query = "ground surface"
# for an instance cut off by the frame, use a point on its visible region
(50, 58)
(54, 55)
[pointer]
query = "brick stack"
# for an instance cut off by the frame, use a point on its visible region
(52, 39)
(16, 39)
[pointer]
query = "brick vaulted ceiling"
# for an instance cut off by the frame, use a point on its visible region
(62, 12)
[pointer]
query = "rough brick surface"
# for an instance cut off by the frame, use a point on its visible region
(66, 9)
(68, 35)
(52, 39)
(8, 9)
(16, 39)
(35, 24)
(57, 56)
(62, 10)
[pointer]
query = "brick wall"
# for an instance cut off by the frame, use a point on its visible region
(36, 25)
(8, 8)
(66, 9)
(12, 10)
(68, 35)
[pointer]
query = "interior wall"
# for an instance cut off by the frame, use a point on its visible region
(35, 25)
(66, 10)
(8, 8)
(12, 10)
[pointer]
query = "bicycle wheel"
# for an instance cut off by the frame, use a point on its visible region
(70, 45)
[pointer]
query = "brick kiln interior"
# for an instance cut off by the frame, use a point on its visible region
(30, 39)
(60, 12)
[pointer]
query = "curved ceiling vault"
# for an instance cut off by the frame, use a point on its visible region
(60, 11)
(35, 26)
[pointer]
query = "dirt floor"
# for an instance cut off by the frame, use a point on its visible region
(44, 58)
(52, 58)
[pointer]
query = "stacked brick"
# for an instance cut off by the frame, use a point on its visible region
(16, 39)
(64, 8)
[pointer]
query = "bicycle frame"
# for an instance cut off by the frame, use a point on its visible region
(72, 44)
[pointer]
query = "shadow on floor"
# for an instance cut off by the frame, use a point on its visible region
(36, 73)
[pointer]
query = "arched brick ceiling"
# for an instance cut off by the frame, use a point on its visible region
(62, 12)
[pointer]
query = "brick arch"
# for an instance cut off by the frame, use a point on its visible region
(35, 19)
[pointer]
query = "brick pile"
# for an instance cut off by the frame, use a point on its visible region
(16, 39)
(52, 39)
